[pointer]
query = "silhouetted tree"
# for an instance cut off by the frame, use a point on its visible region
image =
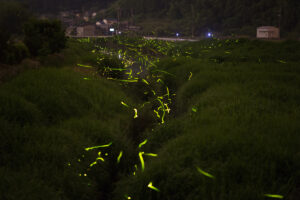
(44, 37)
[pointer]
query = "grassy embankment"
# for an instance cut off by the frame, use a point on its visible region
(48, 117)
(232, 132)
(235, 134)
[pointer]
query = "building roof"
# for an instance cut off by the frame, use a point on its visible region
(267, 27)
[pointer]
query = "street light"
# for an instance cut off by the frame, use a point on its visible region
(112, 30)
(209, 34)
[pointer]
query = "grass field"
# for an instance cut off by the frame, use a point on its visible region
(232, 132)
(48, 118)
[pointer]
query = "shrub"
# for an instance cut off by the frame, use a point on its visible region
(44, 37)
(15, 53)
(12, 17)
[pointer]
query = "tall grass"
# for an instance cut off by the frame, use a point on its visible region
(75, 52)
(48, 117)
(238, 122)
(233, 133)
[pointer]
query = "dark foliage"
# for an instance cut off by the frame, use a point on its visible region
(230, 16)
(44, 37)
(45, 6)
(110, 66)
(12, 17)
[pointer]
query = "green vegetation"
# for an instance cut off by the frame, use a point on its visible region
(214, 119)
(48, 118)
(237, 122)
(12, 18)
(188, 17)
(44, 37)
(197, 17)
(54, 6)
(22, 35)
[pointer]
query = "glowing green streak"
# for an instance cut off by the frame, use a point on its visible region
(100, 146)
(124, 104)
(154, 93)
(160, 81)
(143, 143)
(282, 61)
(86, 78)
(191, 74)
(129, 73)
(119, 157)
(163, 109)
(87, 66)
(100, 158)
(167, 108)
(277, 196)
(194, 109)
(157, 114)
(142, 106)
(129, 80)
(92, 164)
(145, 81)
(205, 173)
(142, 160)
(135, 113)
(168, 93)
(152, 187)
(150, 154)
(127, 196)
(117, 69)
(164, 72)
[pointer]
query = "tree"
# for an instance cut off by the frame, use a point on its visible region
(43, 37)
(12, 17)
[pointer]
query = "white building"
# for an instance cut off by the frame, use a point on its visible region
(268, 32)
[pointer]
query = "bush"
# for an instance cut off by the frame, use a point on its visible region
(15, 53)
(44, 37)
(12, 18)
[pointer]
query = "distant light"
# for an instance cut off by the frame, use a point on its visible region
(112, 30)
(86, 19)
(177, 34)
(209, 34)
(120, 32)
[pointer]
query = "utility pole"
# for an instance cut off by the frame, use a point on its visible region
(119, 15)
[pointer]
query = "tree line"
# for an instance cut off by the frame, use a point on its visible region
(220, 15)
(54, 6)
(192, 16)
